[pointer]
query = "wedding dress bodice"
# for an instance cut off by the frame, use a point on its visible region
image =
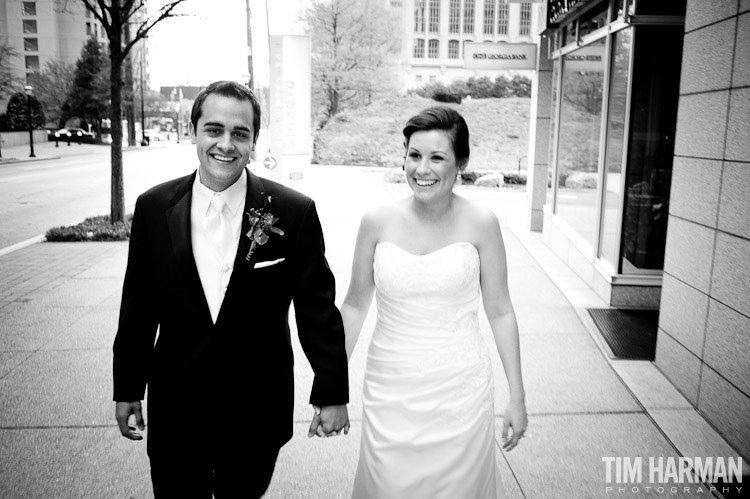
(428, 419)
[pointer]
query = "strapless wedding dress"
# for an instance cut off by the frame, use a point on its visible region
(428, 427)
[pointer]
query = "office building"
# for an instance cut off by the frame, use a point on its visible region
(434, 34)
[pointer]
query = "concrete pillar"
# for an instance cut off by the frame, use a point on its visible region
(539, 134)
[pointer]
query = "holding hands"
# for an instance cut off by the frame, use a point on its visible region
(329, 421)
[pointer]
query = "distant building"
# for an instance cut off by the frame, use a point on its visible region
(434, 34)
(43, 31)
(40, 31)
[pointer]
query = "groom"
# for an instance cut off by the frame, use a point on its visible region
(204, 315)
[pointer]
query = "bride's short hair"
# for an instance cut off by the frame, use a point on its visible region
(450, 121)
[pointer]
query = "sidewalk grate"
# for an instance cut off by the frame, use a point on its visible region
(630, 334)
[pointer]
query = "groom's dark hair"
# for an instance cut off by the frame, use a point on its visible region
(231, 89)
(448, 120)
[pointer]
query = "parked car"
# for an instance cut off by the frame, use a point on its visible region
(155, 135)
(74, 135)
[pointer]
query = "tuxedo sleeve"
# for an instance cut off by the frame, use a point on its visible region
(321, 330)
(138, 322)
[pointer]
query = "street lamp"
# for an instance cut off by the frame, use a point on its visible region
(28, 89)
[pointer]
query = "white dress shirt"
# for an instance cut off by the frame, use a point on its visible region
(213, 270)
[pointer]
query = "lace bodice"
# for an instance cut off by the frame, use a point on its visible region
(428, 381)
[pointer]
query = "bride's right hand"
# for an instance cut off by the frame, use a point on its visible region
(515, 419)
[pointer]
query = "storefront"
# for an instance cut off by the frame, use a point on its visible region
(639, 179)
(613, 90)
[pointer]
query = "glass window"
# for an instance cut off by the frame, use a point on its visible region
(525, 23)
(434, 49)
(452, 49)
(29, 27)
(419, 49)
(656, 83)
(88, 13)
(553, 117)
(433, 79)
(468, 16)
(569, 34)
(613, 165)
(594, 20)
(88, 29)
(434, 16)
(489, 17)
(578, 144)
(32, 62)
(454, 16)
(418, 78)
(28, 8)
(419, 6)
(502, 18)
(31, 45)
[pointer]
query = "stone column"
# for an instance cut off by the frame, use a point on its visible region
(539, 133)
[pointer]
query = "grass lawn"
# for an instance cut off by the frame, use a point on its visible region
(371, 136)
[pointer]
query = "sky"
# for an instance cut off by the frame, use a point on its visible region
(209, 42)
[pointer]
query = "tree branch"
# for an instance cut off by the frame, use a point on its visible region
(165, 12)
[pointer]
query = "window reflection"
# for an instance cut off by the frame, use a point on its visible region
(553, 116)
(578, 148)
(613, 168)
(656, 77)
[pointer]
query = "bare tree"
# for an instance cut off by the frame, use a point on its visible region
(116, 16)
(51, 87)
(353, 43)
(8, 83)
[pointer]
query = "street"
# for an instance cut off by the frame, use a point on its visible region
(38, 195)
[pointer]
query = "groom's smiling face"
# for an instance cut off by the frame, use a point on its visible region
(224, 140)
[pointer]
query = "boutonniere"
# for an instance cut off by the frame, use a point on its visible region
(261, 226)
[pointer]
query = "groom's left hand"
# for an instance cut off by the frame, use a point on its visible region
(329, 421)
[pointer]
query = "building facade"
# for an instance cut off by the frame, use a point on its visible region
(41, 31)
(434, 33)
(640, 178)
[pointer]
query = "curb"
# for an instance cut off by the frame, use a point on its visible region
(42, 238)
(22, 244)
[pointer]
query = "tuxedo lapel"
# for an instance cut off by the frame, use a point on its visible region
(242, 266)
(253, 199)
(180, 233)
(178, 220)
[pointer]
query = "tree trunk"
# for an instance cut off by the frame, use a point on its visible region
(117, 204)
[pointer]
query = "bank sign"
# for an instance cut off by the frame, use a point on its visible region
(499, 55)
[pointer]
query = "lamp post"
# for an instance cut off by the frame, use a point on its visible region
(28, 89)
(144, 140)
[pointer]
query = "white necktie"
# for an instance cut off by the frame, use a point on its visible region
(218, 227)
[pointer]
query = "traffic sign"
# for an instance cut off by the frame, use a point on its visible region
(269, 162)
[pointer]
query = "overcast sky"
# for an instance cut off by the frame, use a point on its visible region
(209, 43)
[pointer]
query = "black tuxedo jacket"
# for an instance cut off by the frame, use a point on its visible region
(228, 384)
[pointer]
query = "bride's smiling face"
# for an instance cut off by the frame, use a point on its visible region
(430, 164)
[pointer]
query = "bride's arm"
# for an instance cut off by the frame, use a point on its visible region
(502, 319)
(362, 285)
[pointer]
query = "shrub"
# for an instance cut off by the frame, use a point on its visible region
(468, 177)
(515, 178)
(581, 180)
(429, 89)
(447, 97)
(96, 228)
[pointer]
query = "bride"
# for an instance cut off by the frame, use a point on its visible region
(428, 417)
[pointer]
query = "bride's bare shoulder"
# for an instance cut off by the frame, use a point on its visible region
(382, 215)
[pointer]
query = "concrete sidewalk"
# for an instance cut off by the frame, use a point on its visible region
(59, 304)
(48, 150)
